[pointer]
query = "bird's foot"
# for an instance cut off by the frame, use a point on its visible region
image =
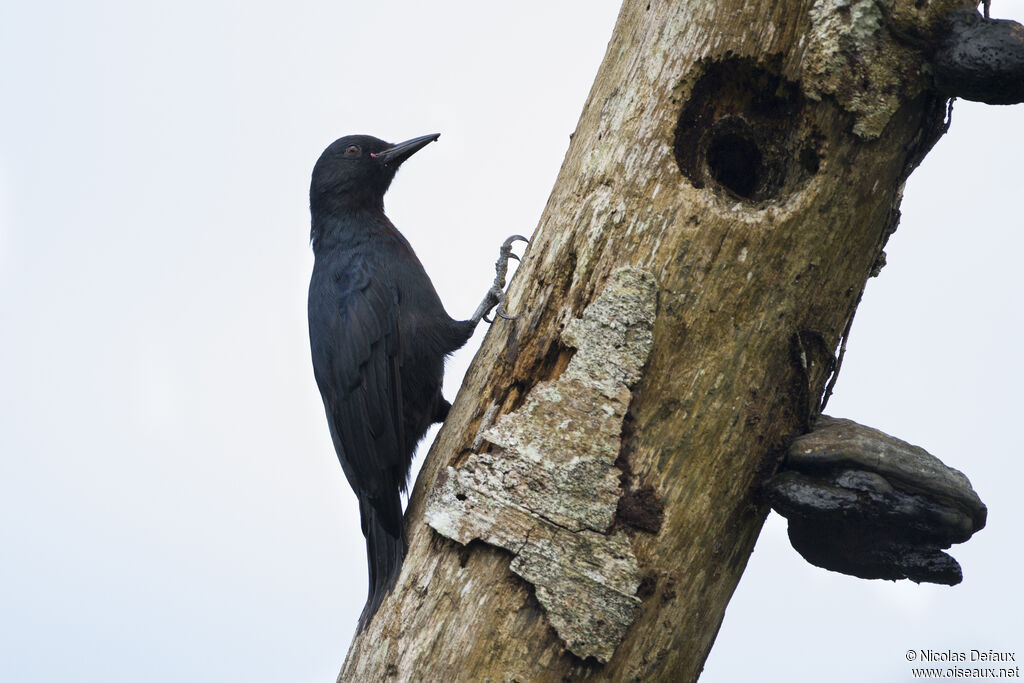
(495, 297)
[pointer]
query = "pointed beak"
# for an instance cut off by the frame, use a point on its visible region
(396, 154)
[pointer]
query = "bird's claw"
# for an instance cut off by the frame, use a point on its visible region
(495, 297)
(506, 246)
(499, 310)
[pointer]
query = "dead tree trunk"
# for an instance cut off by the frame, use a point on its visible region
(729, 189)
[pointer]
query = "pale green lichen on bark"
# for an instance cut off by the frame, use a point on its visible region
(852, 57)
(550, 492)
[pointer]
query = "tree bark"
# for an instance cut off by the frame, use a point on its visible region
(727, 193)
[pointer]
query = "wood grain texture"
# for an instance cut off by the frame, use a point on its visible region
(750, 156)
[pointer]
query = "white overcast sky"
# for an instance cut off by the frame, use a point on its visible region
(171, 508)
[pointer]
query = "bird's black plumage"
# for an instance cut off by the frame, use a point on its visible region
(378, 336)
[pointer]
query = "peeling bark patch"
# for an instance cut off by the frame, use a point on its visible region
(550, 490)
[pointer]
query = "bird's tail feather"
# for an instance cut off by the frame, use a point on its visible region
(384, 555)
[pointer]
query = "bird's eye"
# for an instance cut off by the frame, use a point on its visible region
(352, 151)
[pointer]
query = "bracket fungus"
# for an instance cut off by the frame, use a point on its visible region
(864, 503)
(981, 59)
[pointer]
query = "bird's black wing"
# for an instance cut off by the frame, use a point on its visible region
(354, 331)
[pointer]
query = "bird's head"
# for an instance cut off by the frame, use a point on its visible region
(355, 171)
